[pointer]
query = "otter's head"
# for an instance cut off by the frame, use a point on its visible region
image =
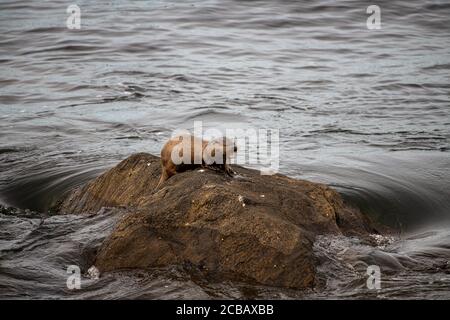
(224, 146)
(228, 145)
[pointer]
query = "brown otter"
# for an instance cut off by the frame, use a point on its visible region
(214, 154)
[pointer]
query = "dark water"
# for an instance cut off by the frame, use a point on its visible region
(366, 111)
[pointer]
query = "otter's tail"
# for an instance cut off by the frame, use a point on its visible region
(161, 180)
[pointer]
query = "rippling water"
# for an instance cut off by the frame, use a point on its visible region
(366, 111)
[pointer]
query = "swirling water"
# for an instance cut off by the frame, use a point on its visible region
(366, 111)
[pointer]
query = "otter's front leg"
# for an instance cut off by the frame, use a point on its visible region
(228, 170)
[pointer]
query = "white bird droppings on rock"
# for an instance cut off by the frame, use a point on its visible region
(241, 200)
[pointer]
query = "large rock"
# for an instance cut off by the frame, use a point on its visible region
(249, 227)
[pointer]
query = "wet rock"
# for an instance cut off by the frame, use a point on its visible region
(248, 227)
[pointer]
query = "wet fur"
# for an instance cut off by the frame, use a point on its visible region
(168, 168)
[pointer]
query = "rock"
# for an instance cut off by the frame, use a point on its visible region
(248, 227)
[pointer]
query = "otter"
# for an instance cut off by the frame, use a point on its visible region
(214, 154)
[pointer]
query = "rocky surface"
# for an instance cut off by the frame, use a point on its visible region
(248, 227)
